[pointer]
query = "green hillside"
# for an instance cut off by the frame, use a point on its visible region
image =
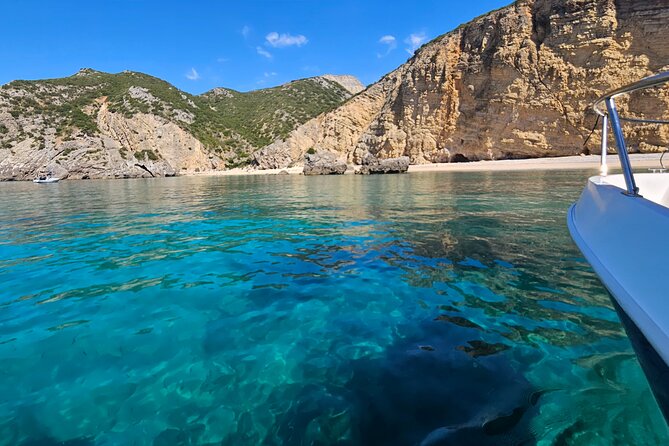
(229, 123)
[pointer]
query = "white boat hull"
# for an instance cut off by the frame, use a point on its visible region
(626, 240)
(48, 180)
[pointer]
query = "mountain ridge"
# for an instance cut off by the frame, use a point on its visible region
(106, 125)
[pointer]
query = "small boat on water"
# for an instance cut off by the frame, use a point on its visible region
(46, 179)
(621, 225)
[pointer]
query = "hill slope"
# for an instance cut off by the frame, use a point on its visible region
(99, 125)
(514, 83)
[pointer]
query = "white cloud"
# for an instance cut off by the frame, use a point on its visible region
(282, 40)
(415, 41)
(263, 52)
(269, 74)
(193, 75)
(390, 42)
(246, 31)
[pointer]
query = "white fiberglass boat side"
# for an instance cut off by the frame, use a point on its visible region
(46, 180)
(626, 240)
(621, 225)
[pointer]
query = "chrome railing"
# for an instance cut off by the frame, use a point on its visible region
(610, 113)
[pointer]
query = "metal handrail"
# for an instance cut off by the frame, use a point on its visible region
(646, 82)
(611, 114)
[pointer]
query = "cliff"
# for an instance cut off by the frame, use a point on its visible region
(101, 125)
(514, 83)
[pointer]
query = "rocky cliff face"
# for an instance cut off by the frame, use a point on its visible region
(101, 125)
(514, 83)
(351, 83)
(143, 145)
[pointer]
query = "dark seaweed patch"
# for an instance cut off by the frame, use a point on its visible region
(482, 348)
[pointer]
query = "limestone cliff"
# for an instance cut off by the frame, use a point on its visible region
(514, 83)
(351, 83)
(101, 125)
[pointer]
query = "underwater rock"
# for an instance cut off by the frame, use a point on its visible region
(504, 423)
(491, 433)
(458, 320)
(452, 391)
(482, 348)
(570, 433)
(170, 437)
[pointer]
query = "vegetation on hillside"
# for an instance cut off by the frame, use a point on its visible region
(262, 116)
(226, 121)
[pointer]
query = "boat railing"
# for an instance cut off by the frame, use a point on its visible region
(605, 107)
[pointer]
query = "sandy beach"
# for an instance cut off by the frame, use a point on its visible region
(639, 161)
(590, 162)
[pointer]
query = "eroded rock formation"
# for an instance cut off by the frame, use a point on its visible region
(323, 163)
(388, 165)
(142, 145)
(514, 83)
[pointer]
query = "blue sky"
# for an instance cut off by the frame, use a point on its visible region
(198, 45)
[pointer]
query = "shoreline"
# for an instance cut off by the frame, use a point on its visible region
(585, 162)
(640, 162)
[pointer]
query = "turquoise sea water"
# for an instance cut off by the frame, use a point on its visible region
(434, 308)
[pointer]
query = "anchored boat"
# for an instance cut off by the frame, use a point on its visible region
(621, 225)
(48, 178)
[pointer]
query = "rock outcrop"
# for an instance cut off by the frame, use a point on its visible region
(514, 83)
(323, 163)
(351, 83)
(101, 125)
(142, 145)
(389, 165)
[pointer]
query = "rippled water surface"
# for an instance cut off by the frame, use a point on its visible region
(445, 308)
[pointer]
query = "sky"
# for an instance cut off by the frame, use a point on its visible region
(244, 45)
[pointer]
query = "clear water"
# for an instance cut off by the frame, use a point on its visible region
(445, 308)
